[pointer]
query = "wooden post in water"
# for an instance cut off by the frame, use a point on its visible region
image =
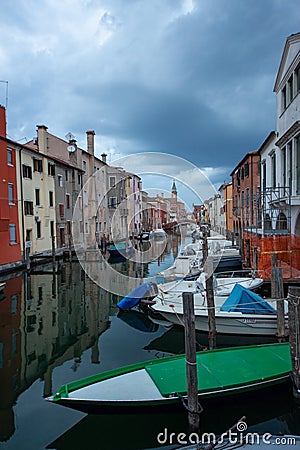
(208, 268)
(70, 247)
(191, 364)
(255, 259)
(294, 326)
(53, 251)
(210, 299)
(248, 262)
(27, 250)
(278, 293)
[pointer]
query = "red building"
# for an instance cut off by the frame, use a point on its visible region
(10, 354)
(246, 197)
(9, 222)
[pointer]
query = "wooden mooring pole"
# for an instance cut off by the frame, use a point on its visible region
(210, 299)
(191, 363)
(53, 251)
(294, 327)
(277, 292)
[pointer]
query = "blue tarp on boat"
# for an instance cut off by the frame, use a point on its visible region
(247, 302)
(134, 296)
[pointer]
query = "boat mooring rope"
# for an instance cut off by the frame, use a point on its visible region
(183, 401)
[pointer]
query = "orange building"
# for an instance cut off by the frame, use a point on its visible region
(9, 222)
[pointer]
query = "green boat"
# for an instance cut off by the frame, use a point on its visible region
(161, 383)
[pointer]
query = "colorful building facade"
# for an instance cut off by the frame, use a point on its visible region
(10, 254)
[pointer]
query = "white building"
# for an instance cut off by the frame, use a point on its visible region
(284, 164)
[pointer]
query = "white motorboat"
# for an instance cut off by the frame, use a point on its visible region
(183, 265)
(159, 233)
(224, 283)
(242, 312)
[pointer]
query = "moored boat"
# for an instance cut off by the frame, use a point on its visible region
(159, 233)
(242, 312)
(161, 383)
(120, 248)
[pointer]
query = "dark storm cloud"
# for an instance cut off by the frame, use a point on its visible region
(191, 78)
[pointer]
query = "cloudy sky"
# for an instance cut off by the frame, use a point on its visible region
(192, 78)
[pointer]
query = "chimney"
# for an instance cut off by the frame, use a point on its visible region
(42, 138)
(103, 156)
(90, 135)
(2, 121)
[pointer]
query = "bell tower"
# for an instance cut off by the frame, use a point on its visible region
(174, 191)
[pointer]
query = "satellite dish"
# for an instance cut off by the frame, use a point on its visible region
(71, 148)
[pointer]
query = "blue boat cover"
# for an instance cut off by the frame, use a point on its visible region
(134, 296)
(247, 302)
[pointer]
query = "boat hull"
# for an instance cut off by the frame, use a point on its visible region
(229, 323)
(173, 404)
(161, 384)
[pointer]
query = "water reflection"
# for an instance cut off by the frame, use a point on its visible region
(50, 325)
(52, 317)
(266, 414)
(46, 319)
(172, 341)
(138, 320)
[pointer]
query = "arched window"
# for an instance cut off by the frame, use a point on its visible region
(281, 223)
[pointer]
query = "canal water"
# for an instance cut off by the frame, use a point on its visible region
(59, 327)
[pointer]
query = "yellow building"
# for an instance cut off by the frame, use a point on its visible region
(36, 199)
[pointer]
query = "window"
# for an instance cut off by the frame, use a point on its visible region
(238, 175)
(246, 170)
(68, 227)
(298, 78)
(50, 198)
(283, 155)
(84, 166)
(298, 164)
(28, 208)
(9, 157)
(37, 197)
(14, 304)
(60, 180)
(283, 98)
(79, 179)
(290, 88)
(112, 202)
(38, 229)
(51, 169)
(112, 181)
(61, 210)
(67, 175)
(37, 165)
(10, 193)
(290, 168)
(27, 171)
(51, 228)
(12, 234)
(273, 168)
(68, 201)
